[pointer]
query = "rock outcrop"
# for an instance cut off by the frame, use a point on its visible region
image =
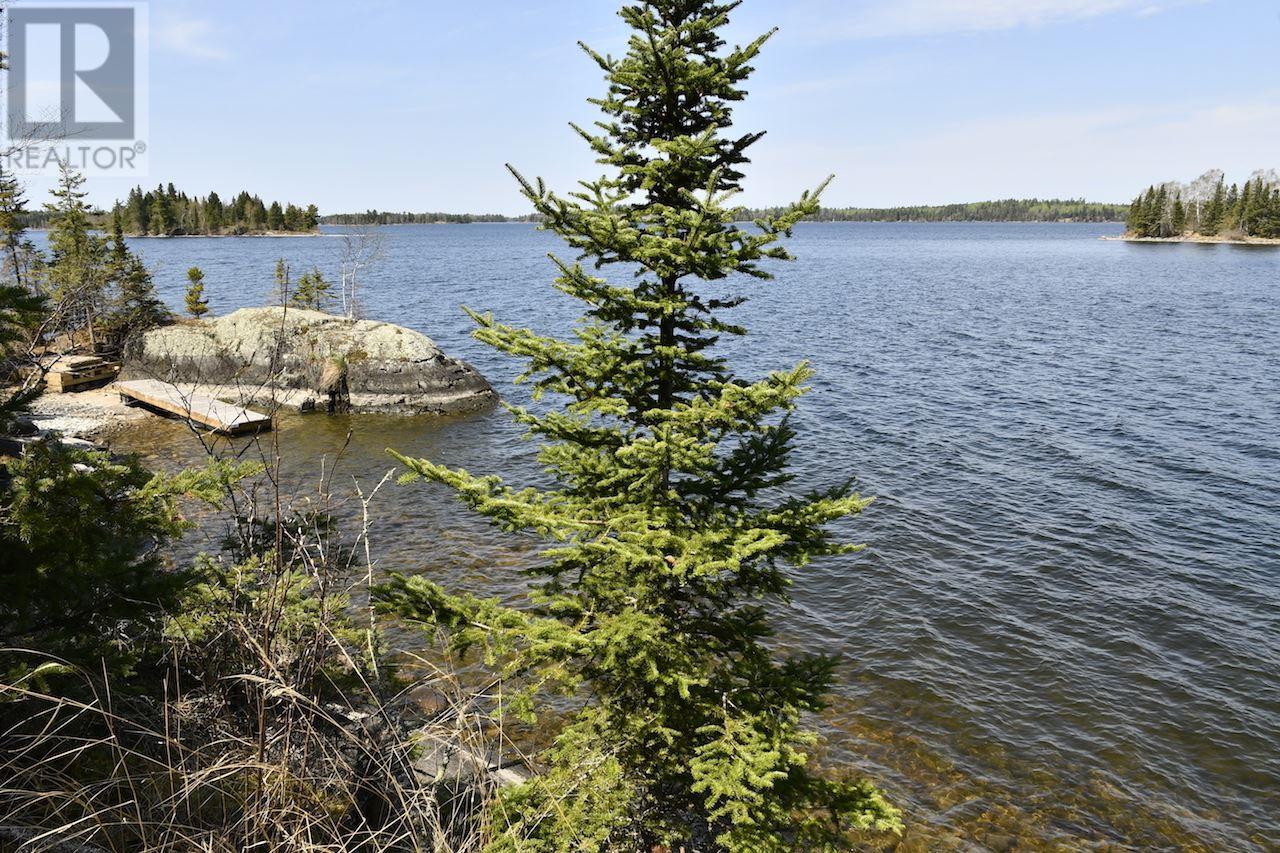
(262, 354)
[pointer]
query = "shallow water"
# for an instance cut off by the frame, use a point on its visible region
(1064, 632)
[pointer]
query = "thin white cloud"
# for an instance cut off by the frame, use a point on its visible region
(889, 18)
(1106, 154)
(191, 37)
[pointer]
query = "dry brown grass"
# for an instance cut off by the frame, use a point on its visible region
(192, 772)
(274, 720)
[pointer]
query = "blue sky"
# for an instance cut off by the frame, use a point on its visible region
(416, 105)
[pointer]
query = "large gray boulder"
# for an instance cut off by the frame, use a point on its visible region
(261, 354)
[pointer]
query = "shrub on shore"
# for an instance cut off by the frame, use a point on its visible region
(230, 704)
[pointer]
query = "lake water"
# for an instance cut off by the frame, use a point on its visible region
(1065, 632)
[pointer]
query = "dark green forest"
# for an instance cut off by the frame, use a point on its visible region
(1005, 210)
(385, 217)
(1207, 207)
(166, 212)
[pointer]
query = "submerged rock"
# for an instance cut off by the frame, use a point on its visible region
(281, 355)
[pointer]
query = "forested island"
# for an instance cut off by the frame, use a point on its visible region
(386, 217)
(1207, 209)
(1005, 210)
(166, 212)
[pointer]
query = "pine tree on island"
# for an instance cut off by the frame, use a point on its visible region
(165, 211)
(1251, 210)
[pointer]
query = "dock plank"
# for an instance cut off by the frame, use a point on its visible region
(215, 414)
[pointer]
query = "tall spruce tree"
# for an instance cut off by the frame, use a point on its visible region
(1240, 219)
(1160, 226)
(1133, 222)
(76, 272)
(1179, 216)
(1254, 207)
(1268, 224)
(137, 307)
(674, 519)
(23, 306)
(275, 217)
(20, 255)
(1214, 210)
(160, 214)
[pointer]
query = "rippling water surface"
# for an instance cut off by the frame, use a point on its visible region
(1065, 632)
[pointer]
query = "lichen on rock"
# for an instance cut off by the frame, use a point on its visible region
(281, 353)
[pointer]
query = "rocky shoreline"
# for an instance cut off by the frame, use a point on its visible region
(90, 415)
(276, 358)
(299, 358)
(1199, 238)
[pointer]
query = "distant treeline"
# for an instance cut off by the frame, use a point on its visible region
(384, 217)
(34, 219)
(1004, 210)
(165, 211)
(1208, 207)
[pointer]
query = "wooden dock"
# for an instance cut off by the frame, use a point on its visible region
(206, 411)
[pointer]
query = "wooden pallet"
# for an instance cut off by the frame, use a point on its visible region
(206, 411)
(70, 372)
